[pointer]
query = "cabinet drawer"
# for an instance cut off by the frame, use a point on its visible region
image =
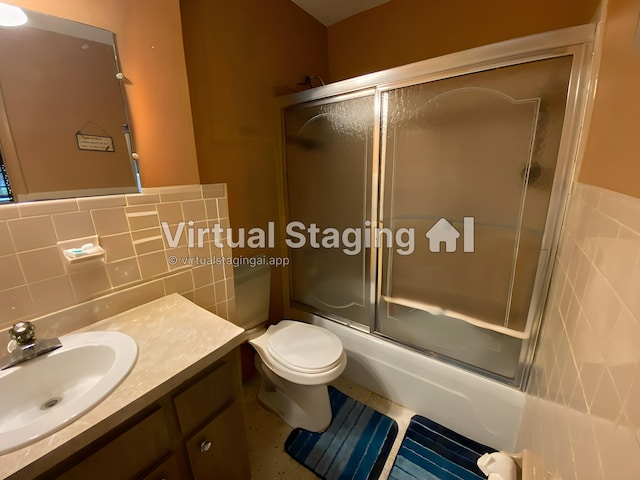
(167, 470)
(126, 455)
(219, 450)
(205, 397)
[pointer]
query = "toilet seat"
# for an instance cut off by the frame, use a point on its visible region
(305, 348)
(301, 353)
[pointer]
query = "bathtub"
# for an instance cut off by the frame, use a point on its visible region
(479, 408)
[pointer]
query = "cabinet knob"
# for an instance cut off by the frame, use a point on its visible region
(205, 445)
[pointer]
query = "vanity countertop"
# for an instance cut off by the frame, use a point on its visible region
(176, 339)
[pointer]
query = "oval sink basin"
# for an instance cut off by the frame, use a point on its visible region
(44, 394)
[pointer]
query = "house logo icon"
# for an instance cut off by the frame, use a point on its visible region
(443, 232)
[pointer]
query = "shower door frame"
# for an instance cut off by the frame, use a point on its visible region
(575, 41)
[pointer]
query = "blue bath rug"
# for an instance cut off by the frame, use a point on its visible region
(354, 447)
(430, 451)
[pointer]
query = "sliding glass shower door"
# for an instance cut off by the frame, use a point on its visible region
(424, 206)
(328, 147)
(468, 165)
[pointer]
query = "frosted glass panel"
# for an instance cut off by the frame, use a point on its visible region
(328, 177)
(481, 147)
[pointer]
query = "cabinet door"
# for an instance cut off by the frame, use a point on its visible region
(201, 400)
(219, 450)
(168, 470)
(127, 455)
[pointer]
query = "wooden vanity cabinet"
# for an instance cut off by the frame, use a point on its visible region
(118, 459)
(197, 432)
(167, 470)
(209, 413)
(216, 451)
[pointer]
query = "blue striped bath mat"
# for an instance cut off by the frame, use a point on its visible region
(430, 451)
(354, 447)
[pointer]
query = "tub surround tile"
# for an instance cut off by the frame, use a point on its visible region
(582, 411)
(621, 208)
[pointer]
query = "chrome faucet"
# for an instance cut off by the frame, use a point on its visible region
(23, 345)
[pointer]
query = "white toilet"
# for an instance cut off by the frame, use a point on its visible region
(295, 360)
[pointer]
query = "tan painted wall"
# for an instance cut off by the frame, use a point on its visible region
(238, 57)
(149, 41)
(405, 31)
(612, 156)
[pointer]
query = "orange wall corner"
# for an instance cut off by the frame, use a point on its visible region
(612, 153)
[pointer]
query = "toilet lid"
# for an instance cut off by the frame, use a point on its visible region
(306, 348)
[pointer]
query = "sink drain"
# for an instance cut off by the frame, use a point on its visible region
(52, 402)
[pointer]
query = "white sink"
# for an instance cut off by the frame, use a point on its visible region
(42, 395)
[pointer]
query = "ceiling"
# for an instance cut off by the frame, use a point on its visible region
(329, 12)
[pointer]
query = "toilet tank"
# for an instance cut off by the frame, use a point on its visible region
(252, 294)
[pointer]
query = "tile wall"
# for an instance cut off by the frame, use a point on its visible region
(35, 280)
(582, 412)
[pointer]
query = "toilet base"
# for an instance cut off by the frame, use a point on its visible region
(300, 406)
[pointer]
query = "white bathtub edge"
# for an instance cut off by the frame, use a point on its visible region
(481, 409)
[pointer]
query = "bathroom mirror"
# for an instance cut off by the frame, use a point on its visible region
(63, 123)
